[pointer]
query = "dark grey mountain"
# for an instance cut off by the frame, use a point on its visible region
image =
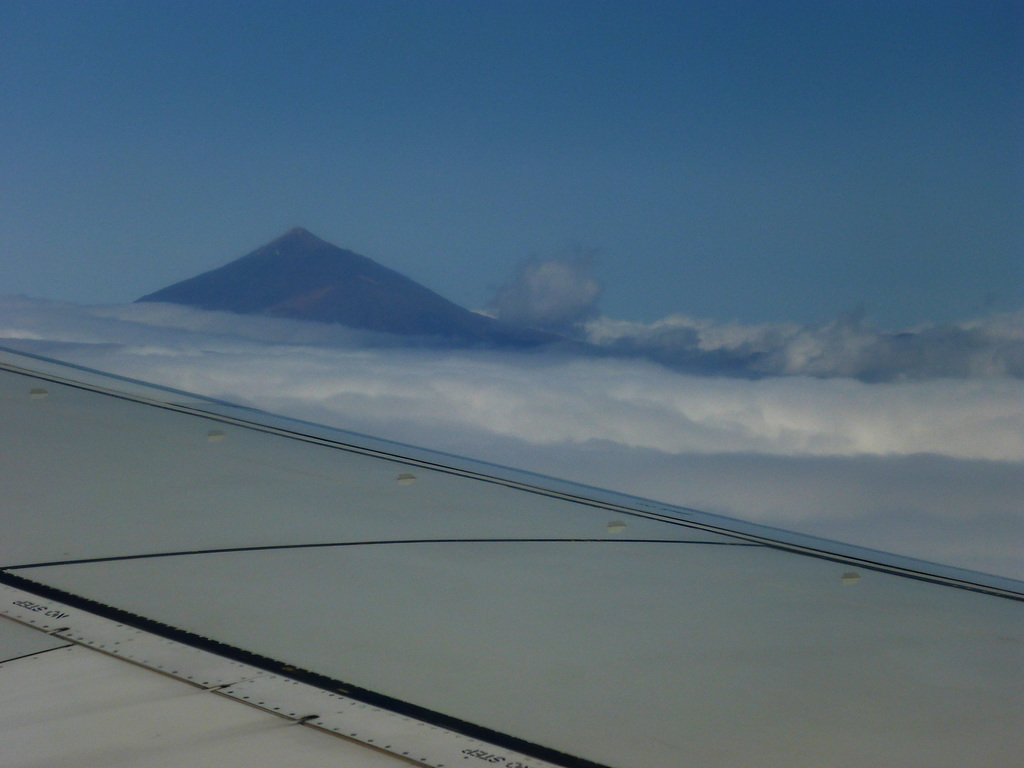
(303, 277)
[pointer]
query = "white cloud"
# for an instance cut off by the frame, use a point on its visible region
(932, 468)
(540, 398)
(553, 294)
(988, 347)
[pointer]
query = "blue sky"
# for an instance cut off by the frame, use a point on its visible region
(753, 161)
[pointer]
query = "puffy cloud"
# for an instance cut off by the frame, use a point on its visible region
(553, 294)
(931, 468)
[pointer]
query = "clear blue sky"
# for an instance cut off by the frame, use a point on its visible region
(749, 160)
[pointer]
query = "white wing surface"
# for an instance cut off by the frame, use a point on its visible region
(377, 604)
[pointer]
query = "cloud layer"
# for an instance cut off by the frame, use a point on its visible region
(848, 347)
(542, 398)
(929, 467)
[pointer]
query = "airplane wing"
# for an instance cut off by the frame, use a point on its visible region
(188, 582)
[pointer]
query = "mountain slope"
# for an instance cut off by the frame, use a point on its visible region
(301, 276)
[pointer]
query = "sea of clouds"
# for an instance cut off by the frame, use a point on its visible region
(928, 463)
(562, 294)
(848, 346)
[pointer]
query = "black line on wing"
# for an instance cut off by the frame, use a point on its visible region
(329, 545)
(815, 551)
(315, 679)
(36, 653)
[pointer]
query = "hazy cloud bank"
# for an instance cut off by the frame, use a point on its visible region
(849, 347)
(541, 398)
(932, 468)
(562, 294)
